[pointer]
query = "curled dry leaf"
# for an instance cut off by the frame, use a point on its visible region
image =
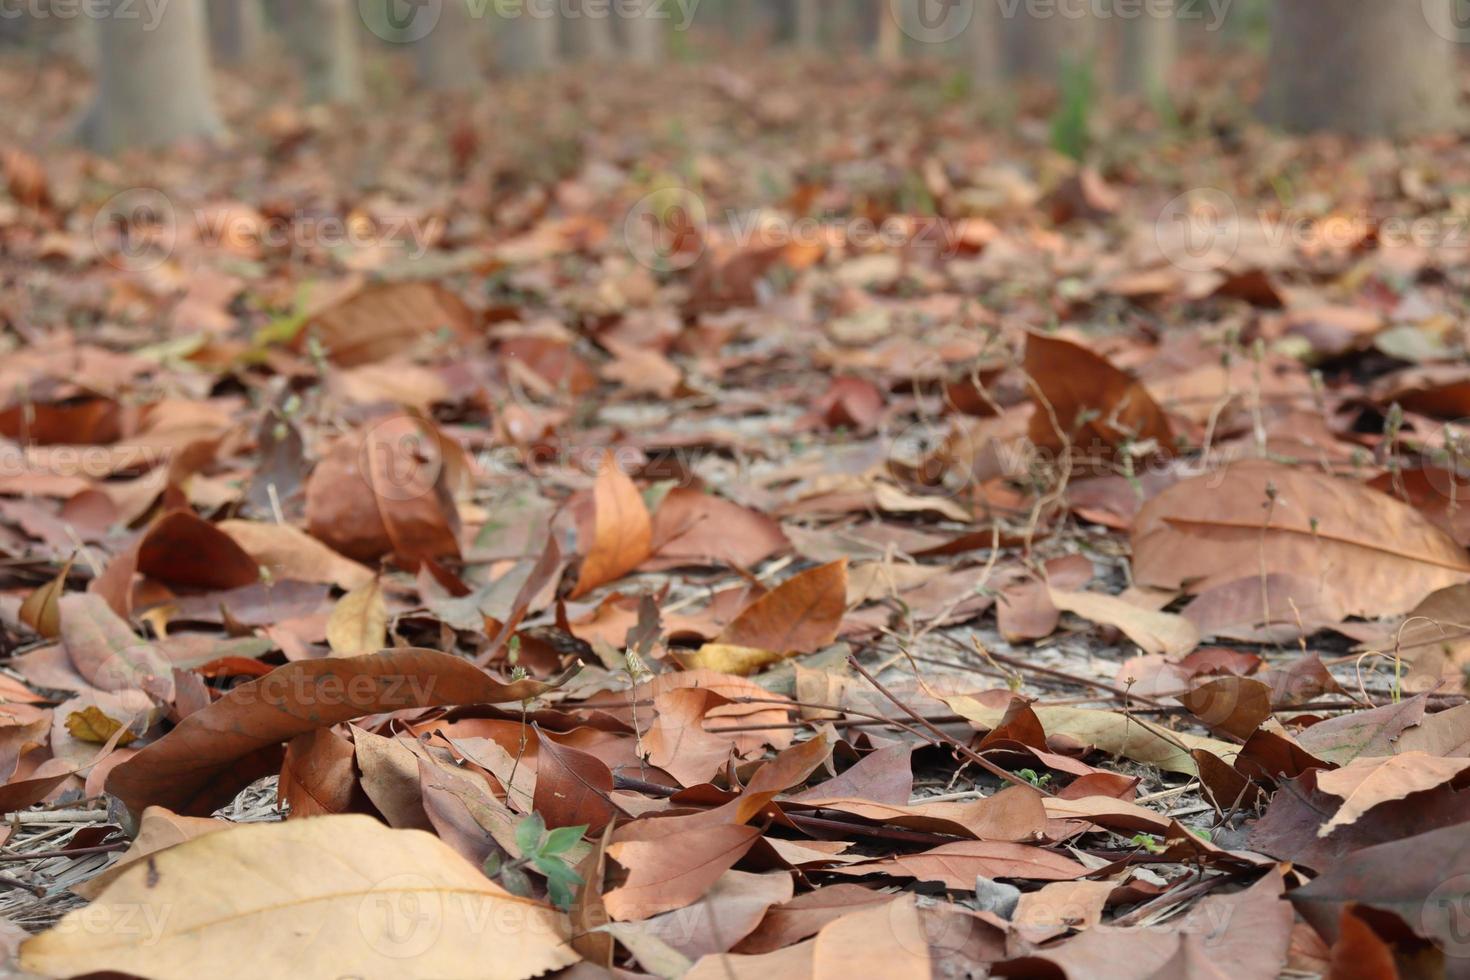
(622, 531)
(216, 752)
(41, 610)
(384, 490)
(1092, 405)
(1365, 783)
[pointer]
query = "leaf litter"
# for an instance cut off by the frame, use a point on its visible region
(1011, 603)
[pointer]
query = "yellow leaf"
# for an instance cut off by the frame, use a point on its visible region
(329, 896)
(42, 611)
(359, 622)
(727, 658)
(93, 725)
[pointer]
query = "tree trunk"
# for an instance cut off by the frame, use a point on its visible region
(647, 33)
(589, 30)
(890, 34)
(1149, 47)
(447, 57)
(153, 78)
(530, 42)
(986, 58)
(236, 29)
(1042, 48)
(1367, 67)
(324, 35)
(809, 24)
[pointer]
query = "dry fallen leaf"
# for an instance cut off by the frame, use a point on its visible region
(1361, 550)
(622, 530)
(359, 621)
(331, 893)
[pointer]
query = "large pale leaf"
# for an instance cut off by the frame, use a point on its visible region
(330, 896)
(1359, 550)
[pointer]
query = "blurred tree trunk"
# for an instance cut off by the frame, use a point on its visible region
(1367, 67)
(987, 61)
(447, 57)
(236, 29)
(324, 35)
(1146, 56)
(589, 31)
(890, 34)
(1042, 48)
(648, 33)
(531, 41)
(153, 78)
(809, 24)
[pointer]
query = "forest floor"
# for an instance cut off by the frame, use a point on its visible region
(884, 539)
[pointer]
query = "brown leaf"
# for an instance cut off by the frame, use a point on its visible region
(183, 549)
(1365, 552)
(317, 777)
(572, 787)
(693, 528)
(385, 490)
(41, 610)
(956, 865)
(215, 753)
(378, 322)
(801, 615)
(805, 915)
(622, 536)
(106, 651)
(887, 941)
(675, 870)
(1097, 407)
(727, 913)
(1365, 783)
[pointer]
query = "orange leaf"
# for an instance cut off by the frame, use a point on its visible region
(799, 616)
(622, 536)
